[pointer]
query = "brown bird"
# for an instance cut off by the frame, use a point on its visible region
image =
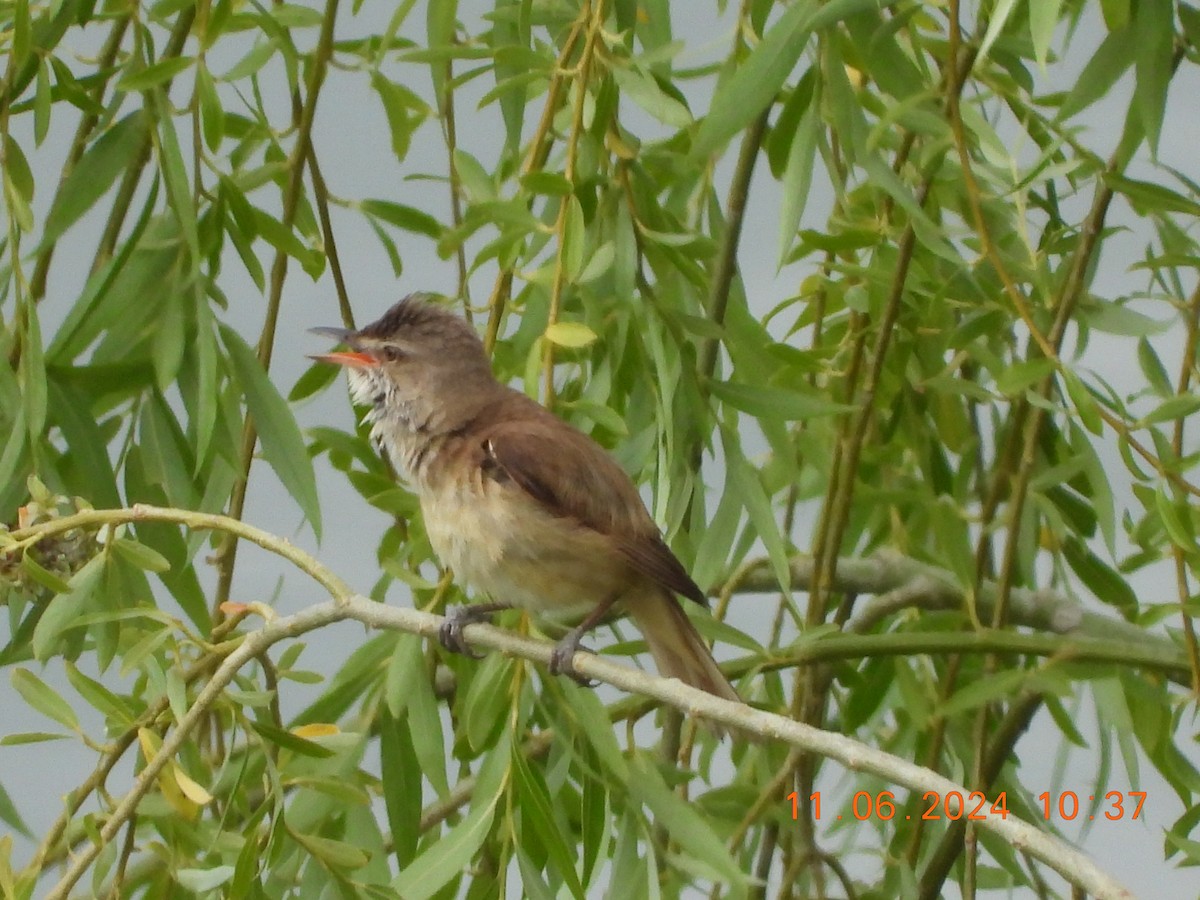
(516, 502)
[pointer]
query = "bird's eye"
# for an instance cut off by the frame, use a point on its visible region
(392, 353)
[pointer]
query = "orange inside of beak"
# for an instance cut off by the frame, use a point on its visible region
(348, 358)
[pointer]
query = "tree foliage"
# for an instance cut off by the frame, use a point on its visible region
(891, 306)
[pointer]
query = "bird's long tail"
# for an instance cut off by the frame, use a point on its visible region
(676, 645)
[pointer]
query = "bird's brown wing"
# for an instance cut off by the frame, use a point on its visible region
(571, 476)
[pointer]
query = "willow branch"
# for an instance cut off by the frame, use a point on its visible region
(1057, 854)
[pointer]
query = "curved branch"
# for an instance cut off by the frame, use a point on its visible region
(1055, 853)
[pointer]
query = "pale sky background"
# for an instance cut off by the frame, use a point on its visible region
(351, 138)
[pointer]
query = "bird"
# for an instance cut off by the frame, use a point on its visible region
(519, 504)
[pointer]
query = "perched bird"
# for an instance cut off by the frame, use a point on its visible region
(519, 504)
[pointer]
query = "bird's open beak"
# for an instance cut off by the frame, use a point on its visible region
(354, 358)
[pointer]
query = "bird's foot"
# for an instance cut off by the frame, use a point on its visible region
(459, 617)
(562, 658)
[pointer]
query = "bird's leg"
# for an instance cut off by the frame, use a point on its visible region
(562, 658)
(458, 618)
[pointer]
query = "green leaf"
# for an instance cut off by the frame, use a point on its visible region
(44, 699)
(1085, 403)
(400, 778)
(569, 334)
(201, 880)
(1147, 197)
(1175, 519)
(537, 811)
(755, 82)
(1043, 21)
(693, 832)
(747, 481)
(1015, 379)
(94, 174)
(10, 815)
(643, 89)
(1171, 410)
(18, 184)
(283, 445)
(574, 233)
(486, 705)
(212, 114)
(1101, 579)
(36, 572)
(289, 741)
(1154, 25)
(1116, 13)
(1000, 685)
(64, 611)
(774, 403)
(100, 697)
(42, 103)
(154, 74)
(34, 388)
(448, 857)
(140, 555)
(797, 179)
(338, 854)
(1153, 370)
(1103, 70)
(402, 216)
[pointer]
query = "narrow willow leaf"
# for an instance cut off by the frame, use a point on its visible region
(1175, 520)
(1154, 25)
(64, 611)
(1110, 61)
(1116, 13)
(1171, 410)
(403, 216)
(10, 815)
(100, 697)
(283, 445)
(36, 572)
(486, 705)
(574, 234)
(748, 483)
(1147, 197)
(175, 176)
(1015, 379)
(754, 84)
(775, 403)
(70, 411)
(449, 856)
(154, 74)
(44, 699)
(1085, 403)
(693, 832)
(1101, 579)
(643, 89)
(570, 334)
(338, 854)
(537, 811)
(95, 173)
(440, 19)
(33, 376)
(1153, 370)
(797, 178)
(289, 741)
(1043, 21)
(400, 778)
(199, 881)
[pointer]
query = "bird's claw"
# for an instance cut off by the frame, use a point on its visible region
(562, 659)
(451, 633)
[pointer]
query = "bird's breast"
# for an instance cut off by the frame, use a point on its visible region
(501, 542)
